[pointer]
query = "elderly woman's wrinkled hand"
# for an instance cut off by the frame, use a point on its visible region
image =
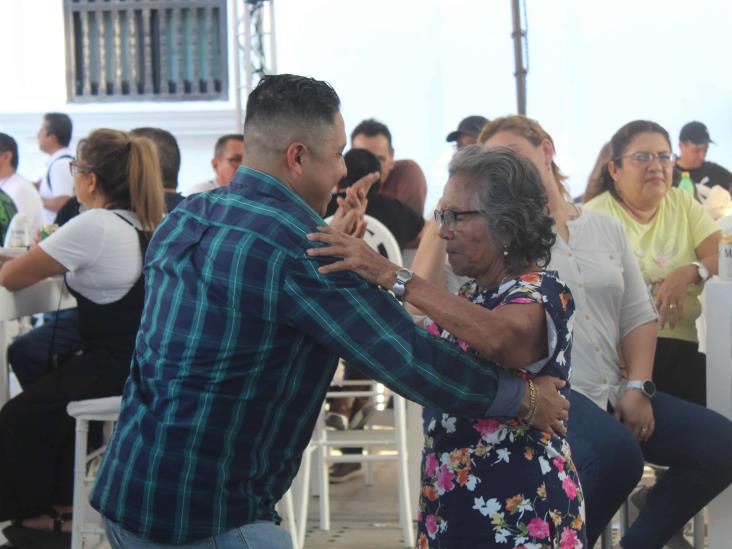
(671, 293)
(552, 410)
(355, 256)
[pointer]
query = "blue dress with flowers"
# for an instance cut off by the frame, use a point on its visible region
(496, 482)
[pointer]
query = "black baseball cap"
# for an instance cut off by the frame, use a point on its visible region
(470, 126)
(696, 132)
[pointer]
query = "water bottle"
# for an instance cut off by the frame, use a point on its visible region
(686, 184)
(19, 234)
(725, 255)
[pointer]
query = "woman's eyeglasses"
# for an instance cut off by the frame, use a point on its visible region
(646, 158)
(76, 168)
(448, 218)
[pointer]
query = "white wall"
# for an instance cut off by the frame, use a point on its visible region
(422, 65)
(34, 82)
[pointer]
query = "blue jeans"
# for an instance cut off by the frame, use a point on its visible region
(30, 354)
(257, 535)
(693, 441)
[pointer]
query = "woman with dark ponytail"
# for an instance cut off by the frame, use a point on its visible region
(100, 253)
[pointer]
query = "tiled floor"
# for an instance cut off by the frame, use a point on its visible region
(367, 517)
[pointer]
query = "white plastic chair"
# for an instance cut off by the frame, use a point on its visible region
(393, 438)
(379, 237)
(87, 523)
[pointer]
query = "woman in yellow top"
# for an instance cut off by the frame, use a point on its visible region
(675, 241)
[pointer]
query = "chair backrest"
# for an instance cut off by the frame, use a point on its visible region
(380, 239)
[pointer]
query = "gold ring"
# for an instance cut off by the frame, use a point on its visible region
(672, 306)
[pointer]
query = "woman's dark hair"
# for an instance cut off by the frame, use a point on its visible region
(128, 173)
(168, 153)
(360, 162)
(618, 147)
(511, 198)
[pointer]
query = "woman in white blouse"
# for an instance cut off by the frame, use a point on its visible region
(100, 253)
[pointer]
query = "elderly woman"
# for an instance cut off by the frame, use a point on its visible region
(492, 482)
(595, 258)
(675, 241)
(100, 252)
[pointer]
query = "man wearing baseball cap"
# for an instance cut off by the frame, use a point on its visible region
(467, 131)
(694, 142)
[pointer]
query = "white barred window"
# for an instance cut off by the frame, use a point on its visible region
(142, 50)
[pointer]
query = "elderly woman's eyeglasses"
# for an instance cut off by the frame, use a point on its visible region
(448, 218)
(646, 158)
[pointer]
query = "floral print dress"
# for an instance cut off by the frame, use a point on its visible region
(497, 482)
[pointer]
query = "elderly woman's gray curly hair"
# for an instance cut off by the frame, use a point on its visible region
(508, 192)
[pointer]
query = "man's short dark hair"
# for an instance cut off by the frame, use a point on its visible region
(360, 162)
(371, 128)
(7, 143)
(222, 141)
(288, 104)
(59, 124)
(168, 153)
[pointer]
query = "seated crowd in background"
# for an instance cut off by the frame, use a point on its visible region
(488, 382)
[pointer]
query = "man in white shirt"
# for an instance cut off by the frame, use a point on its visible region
(23, 193)
(228, 153)
(57, 185)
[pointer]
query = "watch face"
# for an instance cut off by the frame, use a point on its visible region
(649, 387)
(404, 275)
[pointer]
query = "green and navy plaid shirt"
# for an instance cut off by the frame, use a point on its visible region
(238, 342)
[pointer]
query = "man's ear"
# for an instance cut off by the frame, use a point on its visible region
(295, 157)
(215, 163)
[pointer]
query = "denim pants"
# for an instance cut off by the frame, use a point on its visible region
(30, 354)
(693, 441)
(257, 535)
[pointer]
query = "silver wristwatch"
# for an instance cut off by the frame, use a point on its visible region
(400, 286)
(645, 386)
(704, 273)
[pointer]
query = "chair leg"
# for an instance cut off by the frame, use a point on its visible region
(304, 496)
(368, 478)
(699, 530)
(324, 494)
(82, 430)
(624, 518)
(291, 525)
(606, 541)
(405, 504)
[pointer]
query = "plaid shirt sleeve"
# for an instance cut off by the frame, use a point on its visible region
(369, 328)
